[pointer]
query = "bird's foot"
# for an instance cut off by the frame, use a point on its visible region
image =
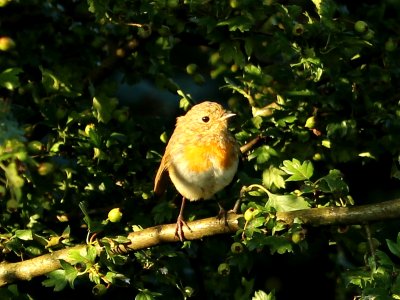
(223, 214)
(180, 222)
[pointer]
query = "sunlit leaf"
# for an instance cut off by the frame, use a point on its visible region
(286, 202)
(298, 171)
(24, 234)
(9, 78)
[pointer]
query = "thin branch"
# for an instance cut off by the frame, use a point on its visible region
(250, 145)
(156, 235)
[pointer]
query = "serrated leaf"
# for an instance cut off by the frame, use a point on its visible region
(333, 183)
(273, 177)
(91, 253)
(278, 244)
(56, 279)
(114, 277)
(263, 154)
(286, 202)
(77, 256)
(70, 273)
(298, 171)
(261, 295)
(242, 23)
(256, 222)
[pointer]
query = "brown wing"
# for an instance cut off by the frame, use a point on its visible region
(161, 180)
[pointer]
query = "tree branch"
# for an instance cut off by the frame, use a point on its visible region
(344, 215)
(156, 235)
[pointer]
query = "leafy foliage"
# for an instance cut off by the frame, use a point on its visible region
(86, 97)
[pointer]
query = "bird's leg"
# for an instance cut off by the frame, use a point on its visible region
(180, 222)
(224, 214)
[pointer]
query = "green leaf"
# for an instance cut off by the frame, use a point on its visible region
(56, 279)
(91, 253)
(86, 218)
(278, 244)
(78, 256)
(393, 247)
(286, 202)
(15, 180)
(333, 183)
(263, 154)
(70, 272)
(298, 171)
(146, 295)
(242, 23)
(24, 234)
(104, 107)
(114, 278)
(9, 78)
(273, 177)
(261, 295)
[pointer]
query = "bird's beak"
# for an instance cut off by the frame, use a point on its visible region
(227, 115)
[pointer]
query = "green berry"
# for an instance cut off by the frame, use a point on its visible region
(369, 35)
(115, 215)
(188, 291)
(298, 29)
(35, 147)
(234, 68)
(250, 213)
(191, 69)
(45, 168)
(99, 289)
(234, 3)
(297, 237)
(12, 204)
(224, 269)
(360, 26)
(317, 156)
(199, 79)
(390, 45)
(6, 43)
(237, 248)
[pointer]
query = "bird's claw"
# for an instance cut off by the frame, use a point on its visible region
(179, 228)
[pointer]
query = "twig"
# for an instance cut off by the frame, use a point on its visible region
(248, 146)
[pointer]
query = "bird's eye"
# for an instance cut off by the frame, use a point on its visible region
(205, 119)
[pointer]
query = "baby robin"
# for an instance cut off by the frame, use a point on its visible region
(201, 157)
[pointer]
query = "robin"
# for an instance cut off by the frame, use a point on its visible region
(201, 157)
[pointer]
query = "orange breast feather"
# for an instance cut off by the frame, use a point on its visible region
(201, 158)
